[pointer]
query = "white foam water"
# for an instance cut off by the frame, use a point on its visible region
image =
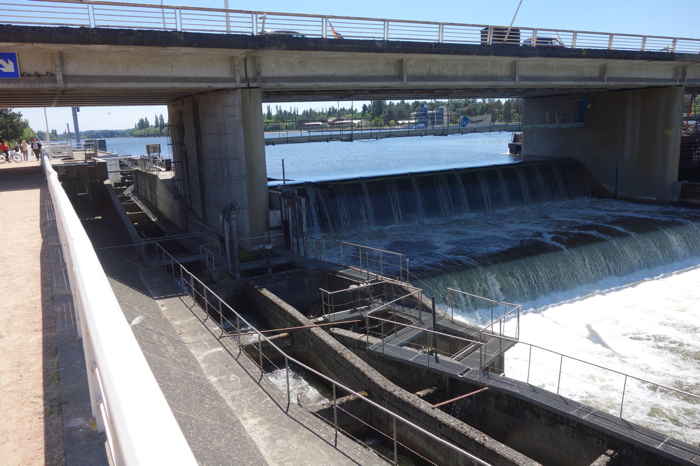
(302, 392)
(648, 329)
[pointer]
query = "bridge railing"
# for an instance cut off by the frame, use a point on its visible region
(106, 14)
(127, 403)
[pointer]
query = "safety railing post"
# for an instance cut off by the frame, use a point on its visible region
(674, 43)
(221, 318)
(396, 445)
(367, 332)
(286, 373)
(178, 20)
(529, 361)
(622, 401)
(644, 44)
(441, 33)
(561, 362)
(335, 415)
(238, 334)
(382, 330)
(534, 37)
(206, 304)
(489, 36)
(324, 28)
(386, 30)
(260, 355)
(481, 352)
(574, 37)
(610, 41)
(162, 13)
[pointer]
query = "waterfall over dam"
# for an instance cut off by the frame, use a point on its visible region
(516, 232)
(342, 206)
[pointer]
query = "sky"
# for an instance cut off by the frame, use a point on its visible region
(680, 18)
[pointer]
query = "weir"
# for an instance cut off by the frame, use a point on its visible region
(516, 232)
(340, 206)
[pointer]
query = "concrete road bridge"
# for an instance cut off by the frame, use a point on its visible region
(611, 100)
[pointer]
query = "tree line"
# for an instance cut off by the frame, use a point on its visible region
(14, 128)
(390, 113)
(142, 128)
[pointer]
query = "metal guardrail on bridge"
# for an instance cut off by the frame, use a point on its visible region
(124, 15)
(127, 403)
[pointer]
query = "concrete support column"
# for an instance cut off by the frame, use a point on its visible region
(222, 148)
(629, 140)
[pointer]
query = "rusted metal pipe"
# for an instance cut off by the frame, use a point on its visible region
(460, 397)
(300, 327)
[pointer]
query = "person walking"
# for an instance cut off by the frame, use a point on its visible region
(36, 148)
(5, 150)
(24, 149)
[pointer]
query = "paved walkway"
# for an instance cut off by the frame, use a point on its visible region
(28, 369)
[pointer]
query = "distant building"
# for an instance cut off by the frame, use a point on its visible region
(425, 118)
(314, 125)
(338, 123)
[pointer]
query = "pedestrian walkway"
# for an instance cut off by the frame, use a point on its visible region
(44, 399)
(28, 369)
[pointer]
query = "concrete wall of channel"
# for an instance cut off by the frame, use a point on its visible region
(629, 140)
(160, 195)
(529, 427)
(320, 350)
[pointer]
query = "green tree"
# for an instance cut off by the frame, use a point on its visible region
(378, 108)
(12, 126)
(508, 111)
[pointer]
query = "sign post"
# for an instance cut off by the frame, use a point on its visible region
(9, 65)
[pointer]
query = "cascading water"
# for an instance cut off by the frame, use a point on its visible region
(597, 277)
(357, 204)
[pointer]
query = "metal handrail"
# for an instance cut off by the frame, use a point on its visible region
(251, 22)
(126, 400)
(513, 312)
(563, 357)
(369, 265)
(289, 359)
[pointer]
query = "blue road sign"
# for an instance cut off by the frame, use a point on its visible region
(9, 65)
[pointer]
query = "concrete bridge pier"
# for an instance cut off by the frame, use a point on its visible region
(219, 158)
(629, 140)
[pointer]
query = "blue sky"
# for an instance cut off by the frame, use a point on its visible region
(670, 17)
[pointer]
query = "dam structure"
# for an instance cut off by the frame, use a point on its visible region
(197, 312)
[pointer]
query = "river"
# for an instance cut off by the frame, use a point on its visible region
(328, 160)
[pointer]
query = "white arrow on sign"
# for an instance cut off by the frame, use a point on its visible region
(7, 66)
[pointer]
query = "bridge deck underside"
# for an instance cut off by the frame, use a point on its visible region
(162, 96)
(64, 66)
